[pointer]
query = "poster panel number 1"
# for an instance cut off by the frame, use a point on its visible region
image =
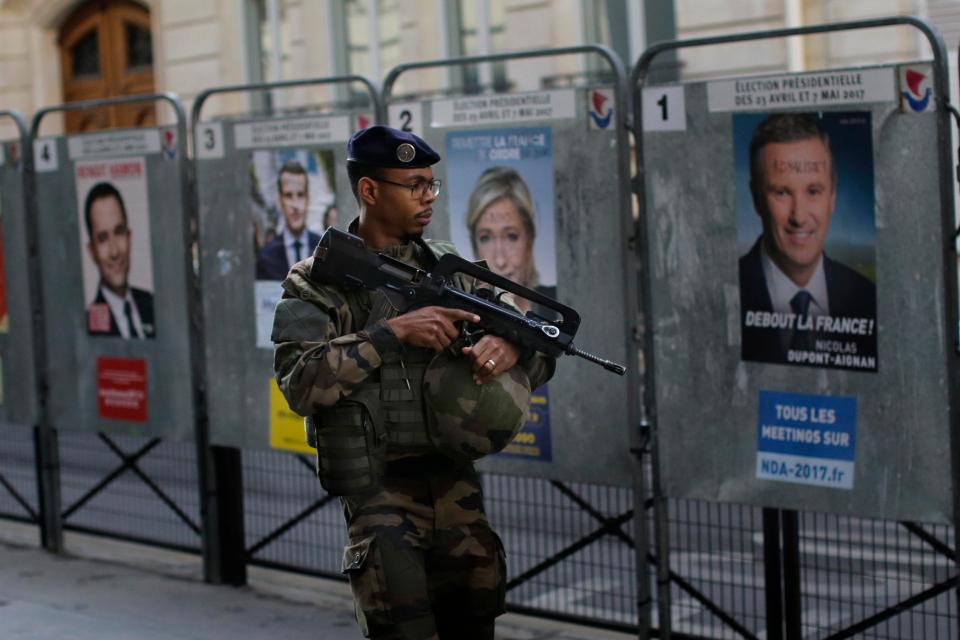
(664, 109)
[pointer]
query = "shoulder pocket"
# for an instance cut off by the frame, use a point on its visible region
(296, 320)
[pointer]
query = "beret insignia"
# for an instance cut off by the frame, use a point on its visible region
(406, 152)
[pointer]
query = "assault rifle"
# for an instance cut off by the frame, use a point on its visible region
(342, 259)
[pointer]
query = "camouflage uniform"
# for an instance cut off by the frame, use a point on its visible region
(422, 558)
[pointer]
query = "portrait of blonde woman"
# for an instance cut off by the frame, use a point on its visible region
(501, 223)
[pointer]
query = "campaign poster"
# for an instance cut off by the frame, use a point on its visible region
(806, 237)
(114, 220)
(806, 439)
(286, 427)
(122, 389)
(501, 202)
(292, 202)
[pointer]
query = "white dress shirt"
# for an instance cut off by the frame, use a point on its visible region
(782, 289)
(115, 303)
(288, 241)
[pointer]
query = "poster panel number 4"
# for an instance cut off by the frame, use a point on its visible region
(664, 109)
(45, 154)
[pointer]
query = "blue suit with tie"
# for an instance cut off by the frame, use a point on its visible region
(272, 261)
(850, 295)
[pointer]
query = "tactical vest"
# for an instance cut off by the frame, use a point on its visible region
(383, 415)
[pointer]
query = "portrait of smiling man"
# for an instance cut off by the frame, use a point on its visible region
(117, 309)
(799, 306)
(295, 242)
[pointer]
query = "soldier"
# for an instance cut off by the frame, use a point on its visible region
(398, 406)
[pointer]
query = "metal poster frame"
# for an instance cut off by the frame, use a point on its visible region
(44, 436)
(50, 466)
(222, 466)
(783, 523)
(631, 322)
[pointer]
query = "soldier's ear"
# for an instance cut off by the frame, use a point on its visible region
(367, 190)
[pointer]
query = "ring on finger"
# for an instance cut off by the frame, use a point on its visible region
(491, 363)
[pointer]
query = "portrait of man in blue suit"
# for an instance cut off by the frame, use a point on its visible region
(295, 242)
(797, 304)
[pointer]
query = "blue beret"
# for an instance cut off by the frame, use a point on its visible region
(381, 146)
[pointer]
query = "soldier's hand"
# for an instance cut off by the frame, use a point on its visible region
(430, 327)
(492, 355)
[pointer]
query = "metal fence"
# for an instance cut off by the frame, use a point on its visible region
(18, 476)
(138, 489)
(569, 547)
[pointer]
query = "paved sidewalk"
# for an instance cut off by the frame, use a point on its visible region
(108, 590)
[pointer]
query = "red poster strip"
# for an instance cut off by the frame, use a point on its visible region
(122, 389)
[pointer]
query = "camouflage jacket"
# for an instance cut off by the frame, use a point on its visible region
(322, 352)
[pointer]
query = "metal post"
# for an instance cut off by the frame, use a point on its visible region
(772, 583)
(660, 24)
(228, 561)
(45, 447)
(662, 542)
(273, 24)
(792, 594)
(47, 460)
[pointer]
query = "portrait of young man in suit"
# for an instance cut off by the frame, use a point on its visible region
(295, 242)
(118, 309)
(798, 305)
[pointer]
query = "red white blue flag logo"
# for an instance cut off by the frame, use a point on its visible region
(168, 138)
(601, 108)
(916, 89)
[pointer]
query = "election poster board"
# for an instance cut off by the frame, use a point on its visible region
(796, 292)
(258, 180)
(4, 315)
(565, 148)
(18, 384)
(501, 212)
(115, 264)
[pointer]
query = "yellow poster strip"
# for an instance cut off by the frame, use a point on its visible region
(286, 427)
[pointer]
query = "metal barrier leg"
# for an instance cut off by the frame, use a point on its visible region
(47, 460)
(792, 596)
(664, 623)
(773, 578)
(224, 537)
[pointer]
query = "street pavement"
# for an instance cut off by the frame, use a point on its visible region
(102, 589)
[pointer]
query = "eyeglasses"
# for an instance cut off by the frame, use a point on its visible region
(418, 189)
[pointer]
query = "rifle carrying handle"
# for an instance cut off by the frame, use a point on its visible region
(450, 264)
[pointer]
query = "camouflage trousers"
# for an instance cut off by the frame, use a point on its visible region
(422, 559)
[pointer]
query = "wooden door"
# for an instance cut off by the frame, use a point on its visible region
(106, 51)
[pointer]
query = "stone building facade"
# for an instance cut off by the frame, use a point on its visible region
(197, 44)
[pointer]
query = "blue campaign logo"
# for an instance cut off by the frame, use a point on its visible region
(533, 441)
(806, 439)
(797, 424)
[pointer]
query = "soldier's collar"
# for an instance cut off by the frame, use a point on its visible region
(416, 250)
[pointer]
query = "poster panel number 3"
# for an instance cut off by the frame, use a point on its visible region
(664, 109)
